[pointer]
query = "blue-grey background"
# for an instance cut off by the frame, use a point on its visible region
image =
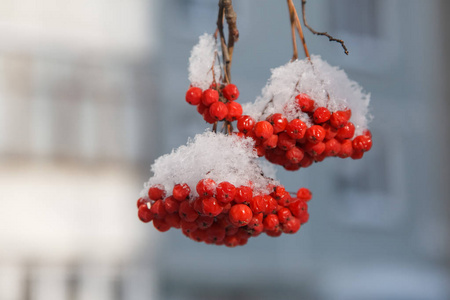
(91, 92)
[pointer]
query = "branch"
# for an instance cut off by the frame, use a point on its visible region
(330, 38)
(226, 10)
(295, 21)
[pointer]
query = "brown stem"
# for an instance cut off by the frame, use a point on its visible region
(330, 38)
(226, 10)
(294, 40)
(294, 18)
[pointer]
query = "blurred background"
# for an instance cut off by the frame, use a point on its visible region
(92, 91)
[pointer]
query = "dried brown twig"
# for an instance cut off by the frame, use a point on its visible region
(332, 39)
(296, 22)
(226, 10)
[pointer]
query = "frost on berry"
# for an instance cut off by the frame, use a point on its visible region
(328, 86)
(201, 60)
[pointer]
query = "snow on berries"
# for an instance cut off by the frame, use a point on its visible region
(216, 192)
(308, 111)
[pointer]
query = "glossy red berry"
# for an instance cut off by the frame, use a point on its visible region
(346, 132)
(244, 195)
(346, 149)
(332, 147)
(206, 187)
(234, 111)
(207, 117)
(181, 191)
(271, 222)
(362, 143)
(240, 215)
(204, 222)
(211, 207)
(321, 115)
(144, 213)
(315, 134)
(225, 192)
(245, 124)
(141, 201)
(304, 194)
(279, 122)
(338, 119)
(263, 129)
(218, 111)
(271, 142)
(285, 142)
(314, 149)
(305, 103)
(330, 131)
(291, 226)
(186, 212)
(173, 220)
(156, 192)
(259, 204)
(158, 210)
(171, 205)
(296, 129)
(284, 215)
(230, 92)
(194, 95)
(295, 155)
(209, 97)
(298, 208)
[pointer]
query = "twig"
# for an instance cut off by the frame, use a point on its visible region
(330, 38)
(294, 19)
(226, 10)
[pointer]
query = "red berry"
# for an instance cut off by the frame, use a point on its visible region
(207, 117)
(225, 192)
(218, 111)
(201, 108)
(204, 222)
(298, 208)
(304, 194)
(304, 217)
(211, 207)
(173, 220)
(338, 119)
(357, 154)
(141, 201)
(346, 132)
(243, 195)
(181, 191)
(291, 226)
(188, 226)
(315, 134)
(259, 204)
(245, 124)
(156, 192)
(330, 131)
(272, 205)
(186, 212)
(296, 129)
(209, 97)
(321, 115)
(362, 143)
(256, 220)
(206, 187)
(171, 205)
(279, 122)
(234, 111)
(194, 95)
(271, 142)
(240, 215)
(230, 92)
(158, 210)
(305, 103)
(263, 130)
(161, 225)
(284, 215)
(332, 147)
(346, 149)
(199, 235)
(144, 213)
(306, 161)
(285, 142)
(314, 149)
(271, 222)
(231, 241)
(215, 233)
(295, 155)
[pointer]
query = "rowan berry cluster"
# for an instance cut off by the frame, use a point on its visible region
(294, 145)
(223, 214)
(216, 104)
